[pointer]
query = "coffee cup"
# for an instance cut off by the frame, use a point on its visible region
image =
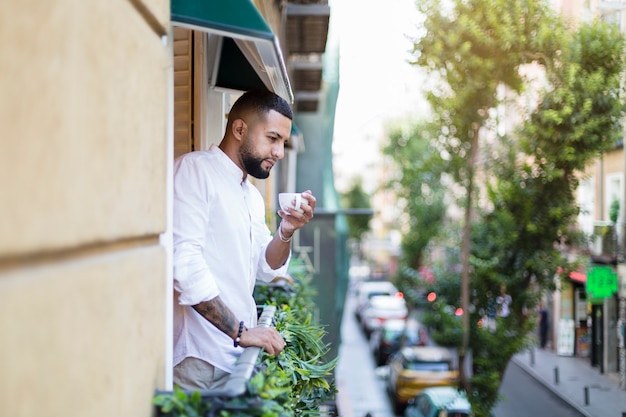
(290, 200)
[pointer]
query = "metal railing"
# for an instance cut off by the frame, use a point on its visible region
(244, 368)
(235, 385)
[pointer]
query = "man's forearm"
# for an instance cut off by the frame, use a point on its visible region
(216, 312)
(277, 251)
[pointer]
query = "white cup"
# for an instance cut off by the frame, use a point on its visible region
(291, 200)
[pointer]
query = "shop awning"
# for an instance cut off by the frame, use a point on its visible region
(249, 55)
(578, 277)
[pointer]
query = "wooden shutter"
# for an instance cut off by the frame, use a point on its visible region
(183, 91)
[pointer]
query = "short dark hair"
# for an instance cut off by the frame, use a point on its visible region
(260, 101)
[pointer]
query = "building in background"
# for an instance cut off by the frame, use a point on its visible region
(585, 324)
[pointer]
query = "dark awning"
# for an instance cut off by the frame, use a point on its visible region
(249, 55)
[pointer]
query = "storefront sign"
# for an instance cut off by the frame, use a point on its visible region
(567, 299)
(565, 341)
(601, 282)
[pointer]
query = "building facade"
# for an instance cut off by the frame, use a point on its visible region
(584, 324)
(98, 98)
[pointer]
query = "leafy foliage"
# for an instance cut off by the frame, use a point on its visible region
(418, 187)
(297, 295)
(296, 383)
(579, 116)
(614, 211)
(513, 245)
(303, 359)
(471, 49)
(357, 198)
(445, 327)
(181, 404)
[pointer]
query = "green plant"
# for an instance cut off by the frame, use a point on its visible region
(445, 327)
(295, 383)
(298, 295)
(181, 404)
(303, 360)
(614, 211)
(301, 366)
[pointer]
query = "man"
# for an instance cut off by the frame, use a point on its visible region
(222, 243)
(543, 326)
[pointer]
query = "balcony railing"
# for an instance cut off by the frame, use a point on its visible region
(236, 384)
(259, 383)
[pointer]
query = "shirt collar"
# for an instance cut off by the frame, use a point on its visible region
(230, 168)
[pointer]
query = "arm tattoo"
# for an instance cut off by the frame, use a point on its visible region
(216, 312)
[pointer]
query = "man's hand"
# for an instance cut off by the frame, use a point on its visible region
(293, 220)
(223, 318)
(267, 338)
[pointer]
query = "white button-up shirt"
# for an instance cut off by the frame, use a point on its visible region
(220, 238)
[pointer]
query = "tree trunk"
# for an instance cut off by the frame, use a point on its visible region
(465, 266)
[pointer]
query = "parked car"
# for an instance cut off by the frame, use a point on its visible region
(387, 340)
(414, 368)
(395, 334)
(439, 402)
(368, 289)
(381, 308)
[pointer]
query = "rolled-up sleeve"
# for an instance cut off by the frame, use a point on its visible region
(266, 273)
(192, 277)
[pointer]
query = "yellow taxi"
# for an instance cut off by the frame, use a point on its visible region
(414, 368)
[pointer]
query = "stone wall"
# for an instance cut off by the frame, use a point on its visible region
(83, 174)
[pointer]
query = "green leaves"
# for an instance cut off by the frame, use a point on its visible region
(476, 53)
(357, 198)
(181, 404)
(303, 361)
(302, 366)
(296, 383)
(418, 186)
(579, 117)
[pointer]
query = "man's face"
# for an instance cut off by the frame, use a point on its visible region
(253, 163)
(264, 144)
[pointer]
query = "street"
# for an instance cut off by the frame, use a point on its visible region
(363, 392)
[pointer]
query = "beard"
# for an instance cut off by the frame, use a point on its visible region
(253, 163)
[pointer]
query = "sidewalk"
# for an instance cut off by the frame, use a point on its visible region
(574, 380)
(361, 392)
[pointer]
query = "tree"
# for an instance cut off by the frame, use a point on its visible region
(517, 240)
(358, 223)
(517, 244)
(471, 48)
(417, 187)
(511, 248)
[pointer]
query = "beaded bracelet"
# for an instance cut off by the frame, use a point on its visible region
(281, 236)
(238, 338)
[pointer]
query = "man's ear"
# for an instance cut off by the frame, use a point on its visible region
(239, 128)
